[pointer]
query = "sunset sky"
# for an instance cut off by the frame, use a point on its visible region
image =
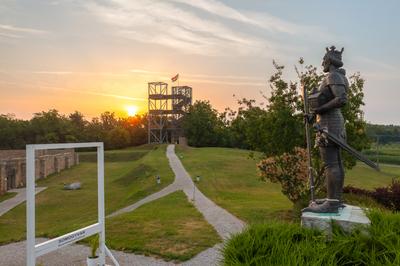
(94, 56)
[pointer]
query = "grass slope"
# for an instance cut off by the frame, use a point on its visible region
(364, 177)
(59, 211)
(229, 178)
(388, 153)
(169, 227)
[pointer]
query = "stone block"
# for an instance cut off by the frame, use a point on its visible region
(347, 218)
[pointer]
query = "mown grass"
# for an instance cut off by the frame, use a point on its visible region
(364, 177)
(229, 177)
(290, 244)
(169, 227)
(114, 155)
(388, 153)
(59, 211)
(7, 195)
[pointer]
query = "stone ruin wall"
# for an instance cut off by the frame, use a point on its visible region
(47, 162)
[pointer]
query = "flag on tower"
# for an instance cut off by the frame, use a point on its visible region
(175, 78)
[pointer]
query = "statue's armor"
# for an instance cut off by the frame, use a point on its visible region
(326, 101)
(332, 119)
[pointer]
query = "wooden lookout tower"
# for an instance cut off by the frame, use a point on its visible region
(166, 111)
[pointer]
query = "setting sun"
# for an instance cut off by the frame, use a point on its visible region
(131, 110)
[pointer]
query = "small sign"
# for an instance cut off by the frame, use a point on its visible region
(71, 238)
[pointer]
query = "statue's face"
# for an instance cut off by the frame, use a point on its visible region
(325, 64)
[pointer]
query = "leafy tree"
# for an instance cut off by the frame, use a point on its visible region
(137, 128)
(117, 138)
(202, 125)
(78, 125)
(354, 116)
(250, 126)
(94, 130)
(285, 123)
(108, 120)
(50, 127)
(13, 133)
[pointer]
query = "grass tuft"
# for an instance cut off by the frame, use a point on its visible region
(290, 244)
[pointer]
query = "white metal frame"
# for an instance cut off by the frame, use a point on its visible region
(33, 250)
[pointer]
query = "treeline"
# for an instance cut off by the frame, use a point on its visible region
(383, 133)
(53, 127)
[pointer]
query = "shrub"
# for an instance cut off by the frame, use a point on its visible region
(290, 244)
(387, 196)
(290, 170)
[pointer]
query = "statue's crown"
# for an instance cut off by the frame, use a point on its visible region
(334, 55)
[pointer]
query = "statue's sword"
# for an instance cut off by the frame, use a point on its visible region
(345, 146)
(308, 140)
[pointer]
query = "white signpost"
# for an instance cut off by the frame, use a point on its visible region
(33, 250)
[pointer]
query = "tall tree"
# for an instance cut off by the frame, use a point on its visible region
(51, 127)
(285, 123)
(202, 125)
(249, 127)
(14, 133)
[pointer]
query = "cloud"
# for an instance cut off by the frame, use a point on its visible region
(372, 68)
(9, 35)
(83, 91)
(262, 20)
(10, 31)
(63, 73)
(183, 26)
(207, 79)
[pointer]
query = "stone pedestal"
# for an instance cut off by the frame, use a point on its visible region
(347, 218)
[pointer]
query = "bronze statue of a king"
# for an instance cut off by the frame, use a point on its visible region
(325, 103)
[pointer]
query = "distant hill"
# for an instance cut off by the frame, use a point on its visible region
(385, 133)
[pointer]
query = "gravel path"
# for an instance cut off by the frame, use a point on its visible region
(224, 223)
(9, 204)
(14, 254)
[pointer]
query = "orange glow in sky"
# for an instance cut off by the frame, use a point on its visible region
(96, 56)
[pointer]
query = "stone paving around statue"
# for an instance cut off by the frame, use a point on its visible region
(347, 218)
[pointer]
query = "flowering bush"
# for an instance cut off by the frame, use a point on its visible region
(290, 170)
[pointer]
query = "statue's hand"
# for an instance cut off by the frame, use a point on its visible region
(309, 118)
(321, 140)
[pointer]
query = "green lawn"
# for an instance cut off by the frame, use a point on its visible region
(169, 227)
(229, 177)
(388, 153)
(7, 195)
(364, 177)
(59, 211)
